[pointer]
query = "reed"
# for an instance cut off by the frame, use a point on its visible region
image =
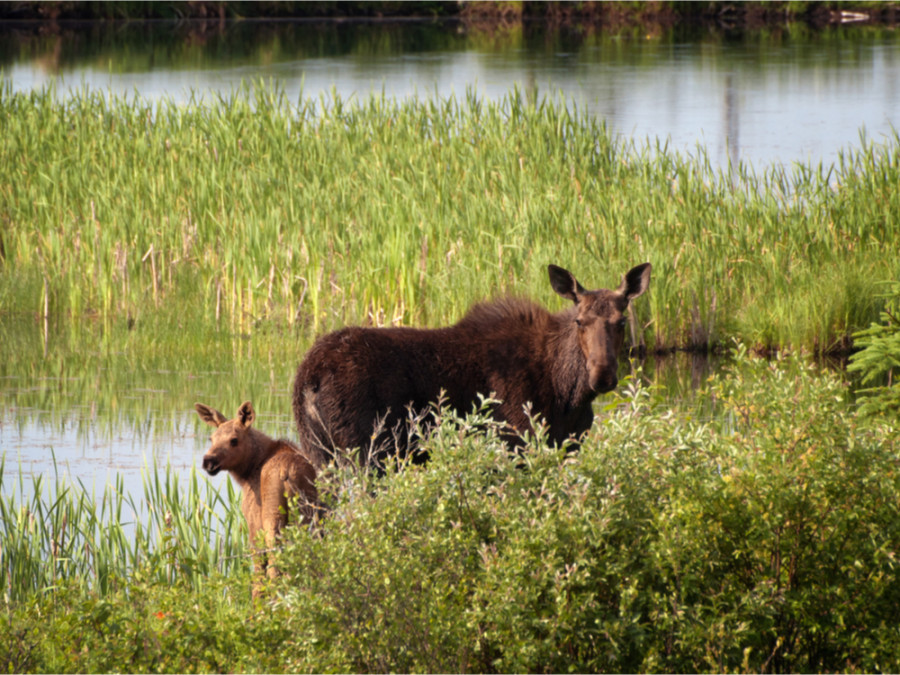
(257, 215)
(55, 532)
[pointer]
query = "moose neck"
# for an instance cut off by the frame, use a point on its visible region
(260, 451)
(569, 368)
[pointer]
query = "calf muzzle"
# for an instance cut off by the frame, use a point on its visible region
(211, 465)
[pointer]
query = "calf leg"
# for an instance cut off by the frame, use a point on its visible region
(274, 519)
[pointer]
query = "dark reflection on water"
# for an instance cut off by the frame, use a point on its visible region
(683, 373)
(143, 46)
(784, 94)
(95, 414)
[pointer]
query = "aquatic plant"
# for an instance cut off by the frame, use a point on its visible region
(54, 533)
(262, 216)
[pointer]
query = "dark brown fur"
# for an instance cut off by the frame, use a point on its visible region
(269, 472)
(356, 377)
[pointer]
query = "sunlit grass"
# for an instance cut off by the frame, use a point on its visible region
(256, 213)
(54, 531)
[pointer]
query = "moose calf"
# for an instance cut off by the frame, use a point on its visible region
(356, 380)
(269, 472)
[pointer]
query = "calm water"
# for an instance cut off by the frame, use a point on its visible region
(781, 95)
(92, 413)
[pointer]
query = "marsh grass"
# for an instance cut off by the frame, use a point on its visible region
(56, 532)
(257, 215)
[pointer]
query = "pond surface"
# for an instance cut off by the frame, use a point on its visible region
(780, 95)
(89, 414)
(85, 404)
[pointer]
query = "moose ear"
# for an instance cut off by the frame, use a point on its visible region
(209, 415)
(246, 414)
(564, 283)
(636, 281)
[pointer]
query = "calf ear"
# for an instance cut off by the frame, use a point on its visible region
(636, 281)
(246, 414)
(564, 283)
(209, 415)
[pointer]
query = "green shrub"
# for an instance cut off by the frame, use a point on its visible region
(879, 356)
(761, 534)
(764, 539)
(779, 543)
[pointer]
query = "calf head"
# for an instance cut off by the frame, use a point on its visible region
(600, 320)
(231, 446)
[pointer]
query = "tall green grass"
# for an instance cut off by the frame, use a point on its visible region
(256, 214)
(54, 532)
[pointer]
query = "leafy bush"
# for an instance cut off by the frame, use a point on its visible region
(760, 535)
(144, 627)
(765, 539)
(879, 355)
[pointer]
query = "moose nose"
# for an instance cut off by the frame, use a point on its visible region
(604, 380)
(210, 465)
(608, 382)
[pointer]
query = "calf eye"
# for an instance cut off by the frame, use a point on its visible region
(578, 323)
(233, 442)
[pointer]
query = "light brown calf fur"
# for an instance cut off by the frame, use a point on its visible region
(269, 472)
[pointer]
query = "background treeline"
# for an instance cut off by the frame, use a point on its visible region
(512, 10)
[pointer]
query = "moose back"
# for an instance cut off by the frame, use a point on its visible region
(355, 386)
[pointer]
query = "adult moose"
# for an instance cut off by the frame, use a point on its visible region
(356, 380)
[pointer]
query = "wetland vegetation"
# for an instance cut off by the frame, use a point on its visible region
(256, 215)
(754, 526)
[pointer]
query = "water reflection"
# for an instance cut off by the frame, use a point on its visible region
(92, 415)
(95, 413)
(786, 94)
(680, 375)
(91, 447)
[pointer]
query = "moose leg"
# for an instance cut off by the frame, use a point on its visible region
(258, 556)
(274, 519)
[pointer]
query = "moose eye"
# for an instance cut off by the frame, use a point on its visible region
(620, 324)
(233, 442)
